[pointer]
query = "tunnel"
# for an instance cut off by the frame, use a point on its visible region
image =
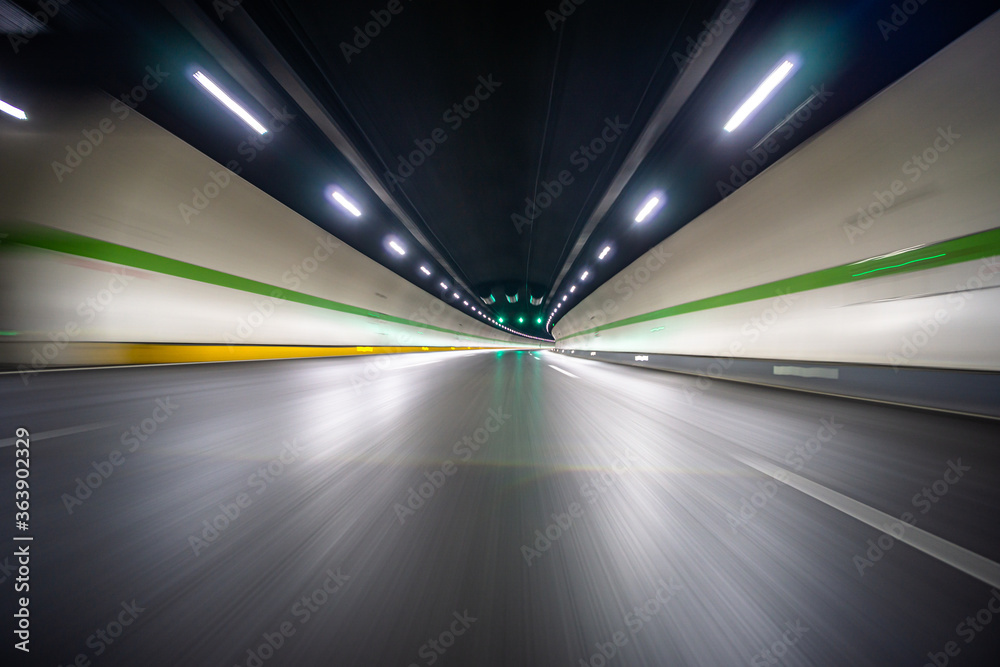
(486, 334)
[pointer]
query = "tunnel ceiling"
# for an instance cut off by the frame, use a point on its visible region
(502, 145)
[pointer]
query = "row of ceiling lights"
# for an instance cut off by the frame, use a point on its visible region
(334, 193)
(343, 200)
(654, 201)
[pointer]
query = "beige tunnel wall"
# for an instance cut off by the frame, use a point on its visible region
(917, 165)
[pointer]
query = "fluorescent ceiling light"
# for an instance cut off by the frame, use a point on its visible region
(647, 208)
(13, 111)
(444, 285)
(398, 248)
(604, 253)
(454, 295)
(347, 204)
(760, 95)
(565, 297)
(425, 270)
(230, 103)
(572, 289)
(585, 274)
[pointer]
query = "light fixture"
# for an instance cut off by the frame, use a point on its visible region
(426, 271)
(604, 253)
(767, 86)
(565, 297)
(454, 295)
(651, 204)
(398, 248)
(572, 289)
(466, 303)
(444, 285)
(585, 274)
(13, 111)
(345, 203)
(230, 103)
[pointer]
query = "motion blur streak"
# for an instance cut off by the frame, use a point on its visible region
(544, 517)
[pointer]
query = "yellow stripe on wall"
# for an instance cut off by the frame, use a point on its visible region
(23, 355)
(152, 353)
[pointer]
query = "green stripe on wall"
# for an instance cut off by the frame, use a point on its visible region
(37, 236)
(954, 251)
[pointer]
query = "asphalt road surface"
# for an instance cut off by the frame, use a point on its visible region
(491, 508)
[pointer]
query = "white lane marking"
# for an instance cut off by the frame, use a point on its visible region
(958, 557)
(563, 372)
(46, 435)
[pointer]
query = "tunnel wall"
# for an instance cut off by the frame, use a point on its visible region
(114, 248)
(871, 243)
